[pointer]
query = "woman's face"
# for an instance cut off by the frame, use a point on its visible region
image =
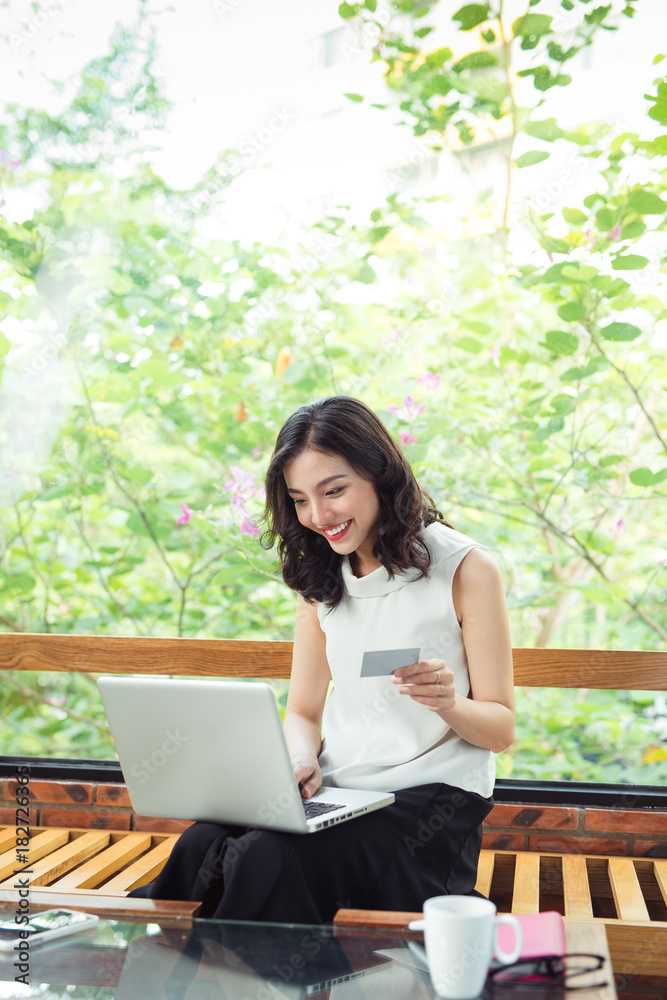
(346, 501)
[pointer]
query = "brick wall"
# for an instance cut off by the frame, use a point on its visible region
(509, 827)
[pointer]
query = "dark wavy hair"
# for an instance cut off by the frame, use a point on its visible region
(342, 425)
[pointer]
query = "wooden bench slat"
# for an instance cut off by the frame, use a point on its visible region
(144, 870)
(65, 858)
(612, 669)
(526, 895)
(660, 872)
(40, 845)
(109, 861)
(576, 890)
(627, 891)
(116, 654)
(487, 861)
(7, 839)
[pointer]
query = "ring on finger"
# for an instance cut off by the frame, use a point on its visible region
(437, 677)
(442, 690)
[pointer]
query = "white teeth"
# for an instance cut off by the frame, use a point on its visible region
(337, 531)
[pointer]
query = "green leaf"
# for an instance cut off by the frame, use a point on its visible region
(347, 10)
(136, 523)
(423, 32)
(489, 36)
(620, 331)
(528, 159)
(576, 374)
(476, 60)
(561, 342)
(632, 229)
(605, 219)
(469, 344)
(378, 233)
(471, 15)
(596, 541)
(644, 477)
(548, 129)
(574, 216)
(563, 404)
(365, 273)
(354, 97)
(629, 262)
(572, 311)
(489, 88)
(646, 203)
(530, 25)
(53, 492)
(19, 581)
(552, 426)
(611, 460)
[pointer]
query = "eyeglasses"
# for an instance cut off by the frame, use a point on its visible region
(548, 970)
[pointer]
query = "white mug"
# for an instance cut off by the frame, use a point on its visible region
(461, 937)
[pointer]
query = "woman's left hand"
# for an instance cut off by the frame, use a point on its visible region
(430, 682)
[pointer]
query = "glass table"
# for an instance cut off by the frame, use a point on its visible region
(183, 959)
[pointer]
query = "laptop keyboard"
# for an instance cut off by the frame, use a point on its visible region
(312, 809)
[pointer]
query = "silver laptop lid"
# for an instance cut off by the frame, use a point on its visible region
(203, 750)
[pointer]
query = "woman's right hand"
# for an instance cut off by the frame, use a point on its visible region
(307, 772)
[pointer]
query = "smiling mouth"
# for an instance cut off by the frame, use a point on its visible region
(339, 529)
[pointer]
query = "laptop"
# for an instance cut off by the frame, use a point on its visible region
(215, 750)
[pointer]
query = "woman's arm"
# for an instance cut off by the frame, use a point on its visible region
(486, 718)
(308, 687)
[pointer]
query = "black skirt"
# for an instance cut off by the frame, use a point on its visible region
(425, 844)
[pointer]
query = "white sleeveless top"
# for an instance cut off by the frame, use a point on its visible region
(376, 738)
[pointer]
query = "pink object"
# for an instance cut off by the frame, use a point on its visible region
(185, 516)
(543, 934)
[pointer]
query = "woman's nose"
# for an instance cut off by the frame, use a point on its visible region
(320, 510)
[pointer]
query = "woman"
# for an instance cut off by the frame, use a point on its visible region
(375, 567)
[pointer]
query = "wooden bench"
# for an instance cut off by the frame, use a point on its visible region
(83, 865)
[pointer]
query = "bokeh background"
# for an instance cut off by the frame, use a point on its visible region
(213, 212)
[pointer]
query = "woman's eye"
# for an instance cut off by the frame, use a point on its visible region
(329, 493)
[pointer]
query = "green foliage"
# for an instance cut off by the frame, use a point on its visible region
(164, 362)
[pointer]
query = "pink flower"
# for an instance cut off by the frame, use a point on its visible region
(242, 484)
(407, 437)
(243, 488)
(495, 352)
(6, 164)
(185, 516)
(430, 380)
(256, 453)
(614, 234)
(410, 412)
